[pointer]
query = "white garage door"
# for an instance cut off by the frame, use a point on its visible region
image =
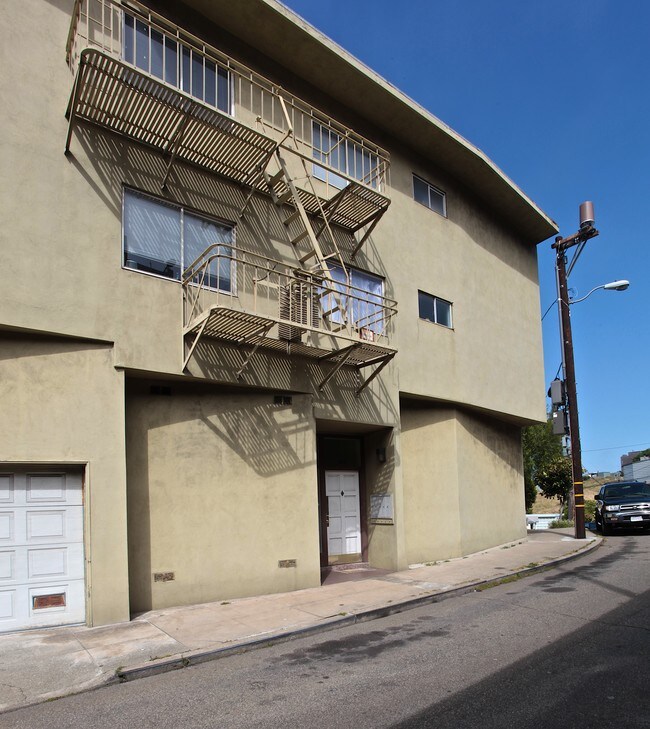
(41, 549)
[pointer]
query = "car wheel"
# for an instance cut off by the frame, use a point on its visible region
(605, 529)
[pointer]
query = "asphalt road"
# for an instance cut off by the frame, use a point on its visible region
(567, 648)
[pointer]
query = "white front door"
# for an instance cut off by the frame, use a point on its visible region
(344, 513)
(41, 549)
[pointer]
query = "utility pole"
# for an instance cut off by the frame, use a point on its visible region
(561, 245)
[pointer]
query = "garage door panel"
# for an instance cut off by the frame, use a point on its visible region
(54, 525)
(7, 565)
(7, 527)
(7, 606)
(45, 564)
(56, 604)
(6, 489)
(45, 525)
(45, 488)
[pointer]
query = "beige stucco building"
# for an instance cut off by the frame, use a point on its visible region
(260, 314)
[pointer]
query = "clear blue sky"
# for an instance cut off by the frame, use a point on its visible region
(557, 94)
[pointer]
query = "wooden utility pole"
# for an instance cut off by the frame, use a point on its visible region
(561, 245)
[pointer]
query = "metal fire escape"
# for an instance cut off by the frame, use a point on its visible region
(126, 100)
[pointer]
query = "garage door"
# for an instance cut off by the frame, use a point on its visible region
(41, 549)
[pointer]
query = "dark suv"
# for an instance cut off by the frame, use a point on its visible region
(623, 504)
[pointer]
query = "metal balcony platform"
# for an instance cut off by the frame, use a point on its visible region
(353, 207)
(122, 99)
(245, 328)
(126, 101)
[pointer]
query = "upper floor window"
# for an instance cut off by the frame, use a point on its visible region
(435, 309)
(177, 64)
(164, 239)
(364, 303)
(429, 195)
(343, 155)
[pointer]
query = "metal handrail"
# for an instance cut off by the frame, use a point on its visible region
(98, 23)
(256, 283)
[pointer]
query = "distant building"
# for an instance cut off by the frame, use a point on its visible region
(628, 458)
(638, 470)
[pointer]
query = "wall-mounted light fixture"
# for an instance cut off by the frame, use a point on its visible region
(381, 455)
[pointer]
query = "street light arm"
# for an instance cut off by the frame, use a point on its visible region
(577, 301)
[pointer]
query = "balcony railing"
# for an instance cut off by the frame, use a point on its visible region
(144, 40)
(299, 301)
(240, 296)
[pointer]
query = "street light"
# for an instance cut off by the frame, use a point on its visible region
(612, 286)
(561, 245)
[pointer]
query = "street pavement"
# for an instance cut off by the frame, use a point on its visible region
(41, 665)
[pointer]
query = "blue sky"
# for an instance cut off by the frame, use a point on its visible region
(557, 95)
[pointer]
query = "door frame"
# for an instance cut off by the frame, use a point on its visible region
(322, 498)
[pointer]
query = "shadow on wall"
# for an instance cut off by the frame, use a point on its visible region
(467, 212)
(115, 162)
(202, 443)
(269, 438)
(138, 516)
(220, 361)
(502, 440)
(18, 345)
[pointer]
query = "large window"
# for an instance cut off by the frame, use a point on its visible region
(435, 309)
(363, 305)
(343, 155)
(429, 195)
(177, 64)
(165, 239)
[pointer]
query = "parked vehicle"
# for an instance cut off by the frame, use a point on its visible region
(623, 504)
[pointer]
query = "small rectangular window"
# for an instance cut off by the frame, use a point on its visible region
(428, 195)
(434, 309)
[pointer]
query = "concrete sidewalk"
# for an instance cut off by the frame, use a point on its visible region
(44, 664)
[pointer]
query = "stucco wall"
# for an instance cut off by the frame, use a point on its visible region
(385, 541)
(63, 403)
(221, 487)
(463, 483)
(489, 276)
(491, 483)
(430, 477)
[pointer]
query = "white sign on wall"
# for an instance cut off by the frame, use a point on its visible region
(381, 508)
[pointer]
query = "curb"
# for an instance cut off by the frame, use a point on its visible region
(193, 659)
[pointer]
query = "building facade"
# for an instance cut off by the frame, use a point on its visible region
(636, 470)
(260, 314)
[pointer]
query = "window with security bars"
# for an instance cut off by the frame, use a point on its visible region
(176, 64)
(343, 155)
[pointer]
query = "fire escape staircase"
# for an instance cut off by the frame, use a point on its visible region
(305, 239)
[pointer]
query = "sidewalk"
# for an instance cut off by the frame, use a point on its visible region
(44, 664)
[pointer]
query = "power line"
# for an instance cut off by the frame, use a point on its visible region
(615, 448)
